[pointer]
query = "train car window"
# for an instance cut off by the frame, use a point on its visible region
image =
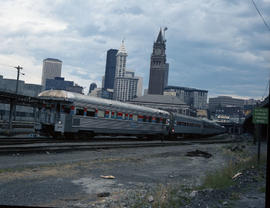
(164, 120)
(72, 109)
(84, 111)
(140, 118)
(79, 111)
(90, 113)
(100, 113)
(107, 114)
(181, 123)
(135, 118)
(112, 114)
(66, 109)
(150, 119)
(144, 118)
(57, 107)
(157, 120)
(119, 115)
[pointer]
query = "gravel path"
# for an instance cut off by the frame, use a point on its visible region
(74, 179)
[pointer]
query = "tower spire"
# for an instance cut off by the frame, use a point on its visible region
(159, 68)
(160, 36)
(122, 48)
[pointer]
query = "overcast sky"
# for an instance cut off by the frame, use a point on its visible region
(217, 45)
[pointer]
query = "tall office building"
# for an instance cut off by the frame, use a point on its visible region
(224, 101)
(139, 86)
(110, 69)
(195, 98)
(159, 69)
(93, 86)
(51, 69)
(59, 83)
(125, 84)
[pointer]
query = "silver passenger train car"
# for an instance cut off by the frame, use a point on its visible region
(73, 115)
(190, 126)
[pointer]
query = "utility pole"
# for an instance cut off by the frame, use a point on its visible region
(267, 192)
(19, 68)
(18, 76)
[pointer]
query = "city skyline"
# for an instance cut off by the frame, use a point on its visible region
(222, 47)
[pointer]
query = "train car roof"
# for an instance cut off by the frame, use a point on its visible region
(61, 95)
(188, 117)
(198, 119)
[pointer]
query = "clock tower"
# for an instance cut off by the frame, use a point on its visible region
(159, 69)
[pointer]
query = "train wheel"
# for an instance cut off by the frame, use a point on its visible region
(70, 136)
(86, 135)
(140, 136)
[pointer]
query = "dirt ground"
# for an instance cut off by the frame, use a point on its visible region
(74, 179)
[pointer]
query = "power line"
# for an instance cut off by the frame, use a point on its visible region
(265, 91)
(5, 65)
(265, 23)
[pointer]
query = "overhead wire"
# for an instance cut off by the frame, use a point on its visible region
(268, 27)
(265, 23)
(5, 65)
(265, 91)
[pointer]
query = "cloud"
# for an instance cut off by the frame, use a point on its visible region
(214, 45)
(31, 68)
(30, 17)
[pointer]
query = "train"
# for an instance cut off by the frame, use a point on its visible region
(72, 115)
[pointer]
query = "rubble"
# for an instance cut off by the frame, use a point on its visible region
(193, 194)
(107, 177)
(236, 175)
(237, 148)
(103, 194)
(199, 153)
(150, 199)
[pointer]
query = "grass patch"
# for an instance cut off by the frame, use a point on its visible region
(223, 178)
(219, 179)
(164, 197)
(179, 196)
(262, 189)
(234, 196)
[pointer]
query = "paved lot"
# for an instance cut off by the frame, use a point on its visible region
(72, 179)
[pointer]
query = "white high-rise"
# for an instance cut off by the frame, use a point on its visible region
(125, 84)
(51, 69)
(139, 86)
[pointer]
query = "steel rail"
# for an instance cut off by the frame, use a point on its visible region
(82, 146)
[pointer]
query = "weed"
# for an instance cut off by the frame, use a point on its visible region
(262, 189)
(163, 197)
(234, 196)
(223, 178)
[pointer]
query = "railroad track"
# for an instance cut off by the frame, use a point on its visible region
(43, 146)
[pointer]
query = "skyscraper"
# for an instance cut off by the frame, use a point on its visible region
(159, 69)
(125, 84)
(139, 86)
(51, 69)
(110, 69)
(93, 86)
